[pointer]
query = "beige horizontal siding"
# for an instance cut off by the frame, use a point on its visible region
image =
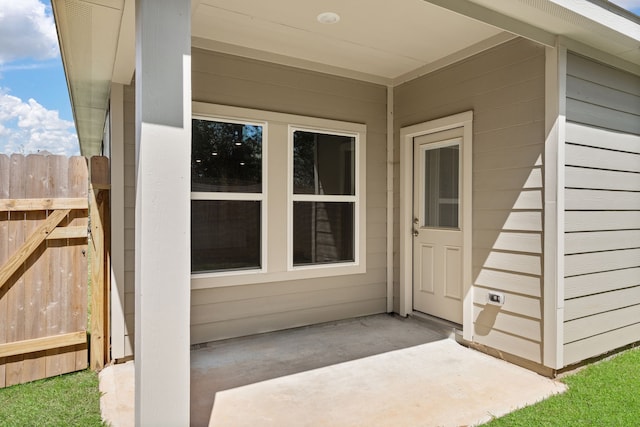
(591, 157)
(584, 112)
(516, 304)
(602, 202)
(502, 320)
(508, 240)
(602, 96)
(585, 327)
(599, 241)
(601, 220)
(508, 220)
(504, 87)
(597, 179)
(596, 283)
(595, 262)
(232, 311)
(592, 305)
(129, 113)
(282, 303)
(375, 275)
(602, 138)
(523, 199)
(508, 260)
(505, 281)
(282, 320)
(587, 199)
(599, 344)
(507, 179)
(509, 343)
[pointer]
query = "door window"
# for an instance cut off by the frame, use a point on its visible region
(441, 185)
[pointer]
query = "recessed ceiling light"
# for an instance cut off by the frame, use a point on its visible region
(328, 18)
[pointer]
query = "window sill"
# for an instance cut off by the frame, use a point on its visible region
(239, 278)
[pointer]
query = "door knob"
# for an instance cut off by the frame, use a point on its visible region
(416, 220)
(416, 232)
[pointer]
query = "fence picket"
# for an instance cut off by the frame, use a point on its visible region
(15, 292)
(56, 360)
(4, 255)
(43, 305)
(78, 268)
(37, 186)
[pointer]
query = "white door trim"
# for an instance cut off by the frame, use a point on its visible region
(464, 120)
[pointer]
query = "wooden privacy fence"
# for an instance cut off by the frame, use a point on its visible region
(44, 253)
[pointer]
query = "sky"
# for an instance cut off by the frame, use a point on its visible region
(35, 112)
(632, 5)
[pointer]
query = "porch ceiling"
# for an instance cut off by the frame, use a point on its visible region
(382, 41)
(381, 38)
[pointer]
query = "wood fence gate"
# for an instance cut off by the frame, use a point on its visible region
(45, 249)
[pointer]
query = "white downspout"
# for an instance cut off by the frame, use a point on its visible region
(389, 199)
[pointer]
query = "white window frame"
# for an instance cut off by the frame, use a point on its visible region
(277, 200)
(292, 197)
(251, 197)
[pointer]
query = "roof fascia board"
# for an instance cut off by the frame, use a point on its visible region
(498, 20)
(64, 58)
(602, 16)
(125, 63)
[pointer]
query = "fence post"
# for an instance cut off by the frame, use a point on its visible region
(98, 256)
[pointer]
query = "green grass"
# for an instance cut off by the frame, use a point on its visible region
(67, 400)
(603, 394)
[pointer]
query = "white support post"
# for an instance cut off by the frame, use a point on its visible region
(116, 114)
(163, 150)
(553, 292)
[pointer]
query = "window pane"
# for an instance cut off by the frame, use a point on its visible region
(323, 164)
(441, 187)
(323, 232)
(226, 157)
(225, 235)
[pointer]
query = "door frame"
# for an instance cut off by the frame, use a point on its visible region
(407, 134)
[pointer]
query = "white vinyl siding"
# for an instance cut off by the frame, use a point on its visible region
(602, 230)
(231, 311)
(504, 87)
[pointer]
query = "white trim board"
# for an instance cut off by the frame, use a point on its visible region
(407, 134)
(553, 254)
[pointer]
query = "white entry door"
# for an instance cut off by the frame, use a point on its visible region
(438, 256)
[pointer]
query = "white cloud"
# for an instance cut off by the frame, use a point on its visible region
(28, 127)
(27, 30)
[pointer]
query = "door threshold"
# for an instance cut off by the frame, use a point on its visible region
(454, 328)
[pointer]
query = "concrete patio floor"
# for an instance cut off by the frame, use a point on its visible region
(372, 371)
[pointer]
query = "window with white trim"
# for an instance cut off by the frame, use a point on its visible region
(226, 195)
(324, 197)
(283, 207)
